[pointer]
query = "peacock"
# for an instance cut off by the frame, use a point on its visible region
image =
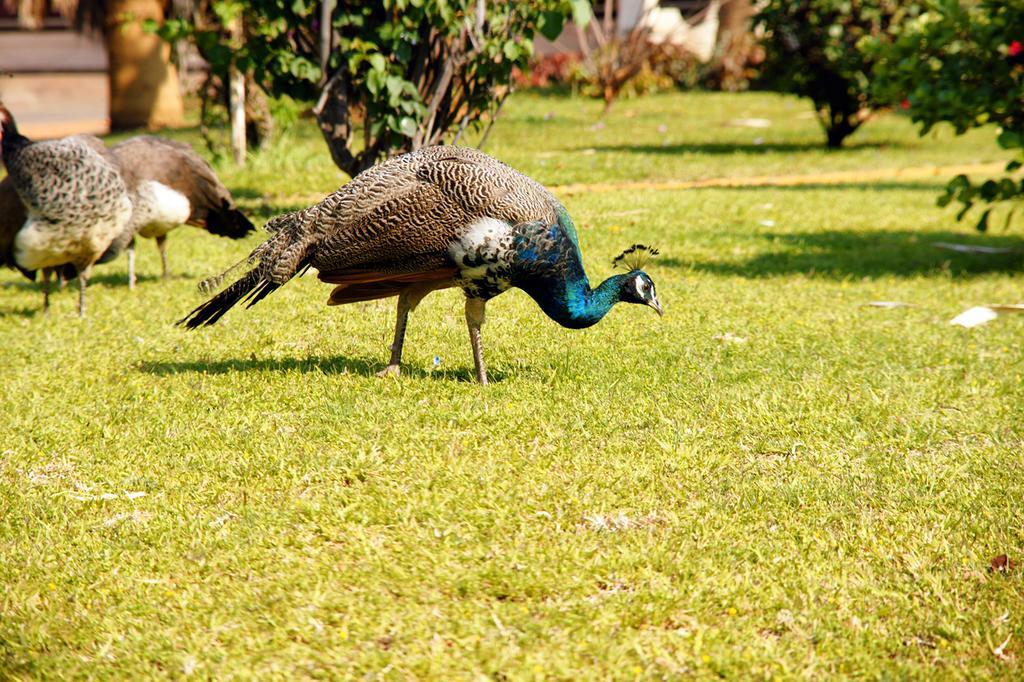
(74, 199)
(438, 217)
(170, 185)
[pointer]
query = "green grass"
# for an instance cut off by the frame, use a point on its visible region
(638, 500)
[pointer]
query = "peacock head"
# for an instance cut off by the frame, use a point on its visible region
(636, 285)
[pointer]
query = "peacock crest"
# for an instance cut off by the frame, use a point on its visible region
(635, 257)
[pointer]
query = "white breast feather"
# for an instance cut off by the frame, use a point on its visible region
(485, 236)
(42, 244)
(159, 209)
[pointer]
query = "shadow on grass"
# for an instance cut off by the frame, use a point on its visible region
(111, 279)
(23, 284)
(337, 365)
(23, 311)
(257, 209)
(841, 254)
(726, 148)
(117, 280)
(250, 194)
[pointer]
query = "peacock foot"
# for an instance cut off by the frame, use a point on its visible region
(390, 371)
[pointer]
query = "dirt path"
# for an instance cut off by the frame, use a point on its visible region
(834, 178)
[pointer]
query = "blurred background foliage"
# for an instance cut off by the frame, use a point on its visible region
(405, 73)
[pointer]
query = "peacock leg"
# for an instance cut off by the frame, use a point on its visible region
(161, 243)
(131, 264)
(46, 289)
(475, 319)
(407, 302)
(83, 279)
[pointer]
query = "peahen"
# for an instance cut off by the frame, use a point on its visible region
(170, 185)
(74, 201)
(438, 217)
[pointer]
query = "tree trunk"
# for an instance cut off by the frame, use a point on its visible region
(236, 108)
(734, 22)
(31, 14)
(839, 124)
(144, 89)
(734, 43)
(236, 96)
(332, 115)
(259, 123)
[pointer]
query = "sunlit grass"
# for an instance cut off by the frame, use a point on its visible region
(638, 500)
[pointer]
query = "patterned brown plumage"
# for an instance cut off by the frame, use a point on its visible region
(12, 219)
(75, 200)
(171, 185)
(401, 216)
(437, 217)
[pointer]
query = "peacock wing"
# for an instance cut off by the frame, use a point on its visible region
(55, 178)
(401, 217)
(175, 165)
(486, 187)
(390, 217)
(196, 179)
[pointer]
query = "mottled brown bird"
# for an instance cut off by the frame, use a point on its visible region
(12, 219)
(170, 185)
(74, 200)
(437, 217)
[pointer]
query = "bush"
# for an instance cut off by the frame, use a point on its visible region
(813, 48)
(407, 73)
(616, 71)
(550, 70)
(963, 64)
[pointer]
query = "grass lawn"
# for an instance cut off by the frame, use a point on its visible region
(638, 500)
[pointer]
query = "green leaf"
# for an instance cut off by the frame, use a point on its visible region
(395, 85)
(407, 126)
(581, 13)
(511, 49)
(1009, 139)
(375, 82)
(550, 24)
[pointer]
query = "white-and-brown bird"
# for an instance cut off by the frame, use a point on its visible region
(74, 198)
(170, 185)
(437, 217)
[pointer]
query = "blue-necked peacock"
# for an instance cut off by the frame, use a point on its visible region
(438, 217)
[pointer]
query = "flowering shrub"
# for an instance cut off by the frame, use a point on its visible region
(813, 49)
(963, 63)
(543, 72)
(387, 76)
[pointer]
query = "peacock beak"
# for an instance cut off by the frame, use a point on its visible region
(657, 306)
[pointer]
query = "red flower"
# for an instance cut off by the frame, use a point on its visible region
(1015, 48)
(905, 104)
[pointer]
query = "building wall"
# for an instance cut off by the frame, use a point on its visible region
(55, 82)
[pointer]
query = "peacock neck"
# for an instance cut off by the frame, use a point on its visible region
(575, 305)
(549, 267)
